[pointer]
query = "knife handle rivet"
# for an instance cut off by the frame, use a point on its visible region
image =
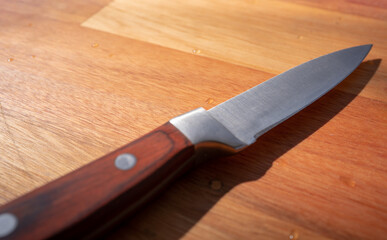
(125, 161)
(8, 223)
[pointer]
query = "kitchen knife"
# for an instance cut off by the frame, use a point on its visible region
(91, 199)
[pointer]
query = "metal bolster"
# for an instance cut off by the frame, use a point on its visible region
(201, 128)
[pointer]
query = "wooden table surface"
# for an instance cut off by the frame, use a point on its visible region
(78, 79)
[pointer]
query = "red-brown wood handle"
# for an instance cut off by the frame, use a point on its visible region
(91, 199)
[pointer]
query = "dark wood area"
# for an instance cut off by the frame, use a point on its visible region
(93, 198)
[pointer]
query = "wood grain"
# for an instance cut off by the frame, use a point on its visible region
(73, 93)
(247, 33)
(370, 9)
(90, 200)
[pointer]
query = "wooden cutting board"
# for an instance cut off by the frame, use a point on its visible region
(78, 79)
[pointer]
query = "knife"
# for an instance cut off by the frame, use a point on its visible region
(92, 199)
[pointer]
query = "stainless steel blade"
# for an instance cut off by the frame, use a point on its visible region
(254, 112)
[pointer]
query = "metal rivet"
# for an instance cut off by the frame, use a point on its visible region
(8, 223)
(125, 161)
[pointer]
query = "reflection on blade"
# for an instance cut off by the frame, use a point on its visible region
(252, 113)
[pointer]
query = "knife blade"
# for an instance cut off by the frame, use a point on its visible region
(90, 200)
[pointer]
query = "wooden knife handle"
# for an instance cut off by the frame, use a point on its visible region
(91, 199)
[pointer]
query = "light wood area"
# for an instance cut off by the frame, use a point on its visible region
(270, 36)
(79, 79)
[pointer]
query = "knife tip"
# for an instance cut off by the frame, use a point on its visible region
(362, 50)
(366, 47)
